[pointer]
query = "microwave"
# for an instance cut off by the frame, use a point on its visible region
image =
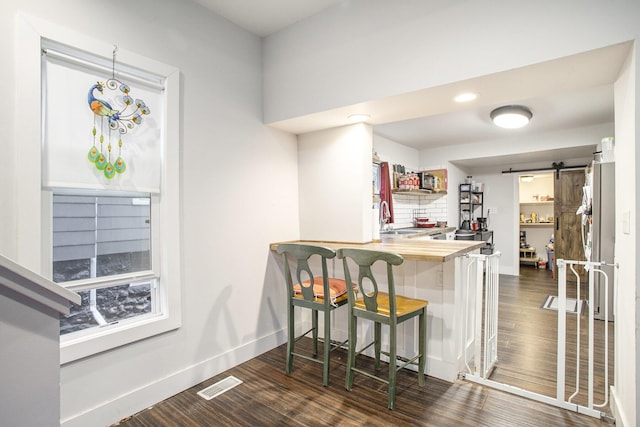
(427, 181)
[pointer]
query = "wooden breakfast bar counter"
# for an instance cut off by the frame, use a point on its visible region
(434, 270)
(411, 250)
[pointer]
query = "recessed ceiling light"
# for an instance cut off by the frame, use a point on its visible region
(511, 116)
(466, 97)
(357, 118)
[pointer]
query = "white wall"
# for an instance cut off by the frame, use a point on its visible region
(8, 243)
(498, 198)
(30, 350)
(395, 153)
(334, 165)
(238, 194)
(626, 303)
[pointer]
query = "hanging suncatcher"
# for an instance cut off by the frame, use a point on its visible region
(120, 118)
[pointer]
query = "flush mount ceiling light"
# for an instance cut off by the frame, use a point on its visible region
(358, 118)
(526, 178)
(511, 116)
(465, 97)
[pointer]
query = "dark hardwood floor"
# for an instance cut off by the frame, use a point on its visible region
(270, 397)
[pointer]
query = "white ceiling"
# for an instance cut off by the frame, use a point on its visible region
(570, 92)
(264, 17)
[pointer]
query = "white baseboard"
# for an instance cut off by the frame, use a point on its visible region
(616, 409)
(509, 271)
(143, 397)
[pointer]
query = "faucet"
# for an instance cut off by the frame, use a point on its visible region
(385, 215)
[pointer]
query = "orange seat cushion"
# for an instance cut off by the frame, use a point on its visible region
(337, 287)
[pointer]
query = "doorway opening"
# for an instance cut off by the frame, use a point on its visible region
(536, 221)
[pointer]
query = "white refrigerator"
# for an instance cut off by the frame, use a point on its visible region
(602, 233)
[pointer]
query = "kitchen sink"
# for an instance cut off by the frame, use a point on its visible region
(398, 232)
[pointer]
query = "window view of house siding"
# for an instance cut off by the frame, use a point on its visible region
(98, 236)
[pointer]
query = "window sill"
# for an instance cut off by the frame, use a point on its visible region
(116, 335)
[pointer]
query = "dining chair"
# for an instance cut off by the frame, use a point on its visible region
(382, 308)
(317, 292)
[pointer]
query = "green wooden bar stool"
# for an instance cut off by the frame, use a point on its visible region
(320, 293)
(381, 308)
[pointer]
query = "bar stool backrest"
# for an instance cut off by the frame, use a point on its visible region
(365, 259)
(301, 254)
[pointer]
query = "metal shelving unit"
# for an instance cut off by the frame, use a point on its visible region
(471, 202)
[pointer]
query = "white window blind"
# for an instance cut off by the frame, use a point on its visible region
(69, 122)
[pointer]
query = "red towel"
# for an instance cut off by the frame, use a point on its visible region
(385, 190)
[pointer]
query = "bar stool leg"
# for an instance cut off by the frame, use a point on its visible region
(393, 351)
(422, 342)
(378, 342)
(353, 339)
(291, 339)
(314, 324)
(327, 348)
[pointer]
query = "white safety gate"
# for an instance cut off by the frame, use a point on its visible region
(482, 292)
(482, 289)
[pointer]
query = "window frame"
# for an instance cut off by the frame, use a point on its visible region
(34, 203)
(149, 275)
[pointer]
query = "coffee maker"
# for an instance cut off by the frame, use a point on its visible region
(466, 222)
(482, 224)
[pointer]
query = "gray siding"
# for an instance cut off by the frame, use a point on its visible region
(84, 226)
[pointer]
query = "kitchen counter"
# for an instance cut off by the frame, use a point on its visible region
(429, 231)
(419, 232)
(438, 271)
(410, 250)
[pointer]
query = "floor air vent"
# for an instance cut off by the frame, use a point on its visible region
(219, 387)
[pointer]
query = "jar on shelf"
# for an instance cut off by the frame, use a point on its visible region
(402, 182)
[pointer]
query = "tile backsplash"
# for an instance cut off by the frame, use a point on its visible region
(432, 206)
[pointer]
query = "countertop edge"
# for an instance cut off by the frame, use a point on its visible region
(428, 251)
